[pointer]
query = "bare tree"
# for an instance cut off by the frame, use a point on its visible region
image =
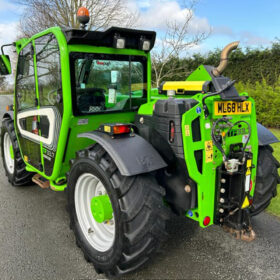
(176, 42)
(42, 14)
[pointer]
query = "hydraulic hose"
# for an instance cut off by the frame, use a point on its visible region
(249, 134)
(217, 143)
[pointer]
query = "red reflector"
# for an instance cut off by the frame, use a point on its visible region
(250, 201)
(121, 129)
(206, 221)
(172, 132)
(251, 185)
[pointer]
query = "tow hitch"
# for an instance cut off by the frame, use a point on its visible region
(234, 184)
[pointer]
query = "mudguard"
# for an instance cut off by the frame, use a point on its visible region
(9, 115)
(265, 136)
(132, 154)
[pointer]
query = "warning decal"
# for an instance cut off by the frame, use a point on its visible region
(187, 130)
(208, 151)
(245, 203)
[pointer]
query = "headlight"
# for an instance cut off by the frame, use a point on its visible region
(145, 44)
(119, 42)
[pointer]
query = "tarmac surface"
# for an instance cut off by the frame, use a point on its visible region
(36, 243)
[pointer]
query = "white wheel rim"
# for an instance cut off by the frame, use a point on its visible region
(10, 162)
(100, 236)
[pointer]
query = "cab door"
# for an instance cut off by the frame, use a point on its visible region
(26, 108)
(50, 97)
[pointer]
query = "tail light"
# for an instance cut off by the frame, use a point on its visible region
(121, 129)
(115, 129)
(206, 221)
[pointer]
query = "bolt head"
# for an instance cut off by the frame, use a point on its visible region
(223, 190)
(188, 188)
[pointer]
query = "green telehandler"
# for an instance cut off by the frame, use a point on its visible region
(85, 119)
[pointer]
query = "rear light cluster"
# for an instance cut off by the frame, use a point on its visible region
(115, 129)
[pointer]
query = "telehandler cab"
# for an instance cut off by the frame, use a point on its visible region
(85, 119)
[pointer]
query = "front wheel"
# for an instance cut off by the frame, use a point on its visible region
(12, 161)
(118, 221)
(267, 180)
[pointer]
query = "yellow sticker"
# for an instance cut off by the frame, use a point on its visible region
(25, 158)
(248, 172)
(249, 163)
(208, 151)
(107, 128)
(246, 203)
(187, 130)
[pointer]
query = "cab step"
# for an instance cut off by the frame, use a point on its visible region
(41, 181)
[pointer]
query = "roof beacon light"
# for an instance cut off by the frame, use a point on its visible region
(119, 42)
(83, 17)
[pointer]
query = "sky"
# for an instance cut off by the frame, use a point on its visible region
(255, 23)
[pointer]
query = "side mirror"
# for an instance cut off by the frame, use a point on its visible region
(5, 65)
(115, 77)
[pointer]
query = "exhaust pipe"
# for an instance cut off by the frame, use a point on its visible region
(224, 58)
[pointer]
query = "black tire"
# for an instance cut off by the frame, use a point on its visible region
(266, 181)
(20, 177)
(139, 214)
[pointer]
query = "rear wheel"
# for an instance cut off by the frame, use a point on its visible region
(12, 161)
(267, 180)
(118, 221)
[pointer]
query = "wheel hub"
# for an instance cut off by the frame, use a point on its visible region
(101, 208)
(12, 152)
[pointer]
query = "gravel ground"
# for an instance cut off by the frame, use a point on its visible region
(36, 243)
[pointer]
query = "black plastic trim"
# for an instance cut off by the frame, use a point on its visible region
(9, 114)
(132, 37)
(66, 145)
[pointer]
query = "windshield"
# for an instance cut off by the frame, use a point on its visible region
(107, 83)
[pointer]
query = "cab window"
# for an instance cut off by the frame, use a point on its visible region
(25, 81)
(107, 83)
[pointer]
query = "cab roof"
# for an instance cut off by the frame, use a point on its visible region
(106, 38)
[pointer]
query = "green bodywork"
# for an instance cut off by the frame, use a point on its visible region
(69, 121)
(66, 148)
(206, 181)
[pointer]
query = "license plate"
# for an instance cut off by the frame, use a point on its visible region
(232, 108)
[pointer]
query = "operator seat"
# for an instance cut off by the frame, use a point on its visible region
(91, 100)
